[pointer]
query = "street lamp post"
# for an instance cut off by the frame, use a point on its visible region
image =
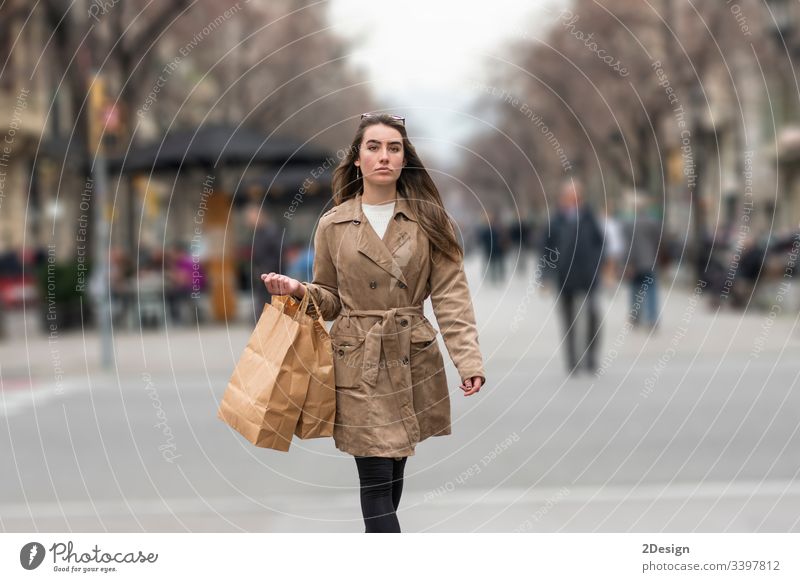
(100, 284)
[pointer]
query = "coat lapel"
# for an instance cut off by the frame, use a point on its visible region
(382, 252)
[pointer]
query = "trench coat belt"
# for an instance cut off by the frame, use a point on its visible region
(395, 342)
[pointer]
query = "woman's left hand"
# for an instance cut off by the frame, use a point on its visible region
(472, 385)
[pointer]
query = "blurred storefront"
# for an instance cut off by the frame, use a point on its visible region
(184, 204)
(788, 157)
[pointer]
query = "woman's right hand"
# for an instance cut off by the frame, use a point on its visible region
(278, 284)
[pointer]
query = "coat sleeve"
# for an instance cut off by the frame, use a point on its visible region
(452, 306)
(325, 286)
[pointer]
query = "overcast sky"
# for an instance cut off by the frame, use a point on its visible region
(424, 56)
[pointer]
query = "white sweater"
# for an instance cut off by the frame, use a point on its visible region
(379, 216)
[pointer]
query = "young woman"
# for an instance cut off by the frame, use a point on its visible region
(386, 246)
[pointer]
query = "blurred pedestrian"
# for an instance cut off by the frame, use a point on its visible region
(614, 248)
(179, 275)
(575, 240)
(494, 242)
(643, 237)
(744, 284)
(518, 238)
(266, 253)
(300, 262)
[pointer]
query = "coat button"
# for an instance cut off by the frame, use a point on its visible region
(403, 322)
(405, 360)
(373, 284)
(356, 221)
(402, 285)
(341, 352)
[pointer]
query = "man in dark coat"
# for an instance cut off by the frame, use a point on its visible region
(575, 244)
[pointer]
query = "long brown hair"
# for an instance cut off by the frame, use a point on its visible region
(414, 184)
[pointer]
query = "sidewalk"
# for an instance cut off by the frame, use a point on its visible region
(711, 447)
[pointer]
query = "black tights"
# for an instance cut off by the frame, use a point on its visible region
(381, 486)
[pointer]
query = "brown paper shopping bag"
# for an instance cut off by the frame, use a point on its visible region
(319, 409)
(285, 359)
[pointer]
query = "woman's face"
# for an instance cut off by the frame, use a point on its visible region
(381, 157)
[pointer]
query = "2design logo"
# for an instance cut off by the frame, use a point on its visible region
(31, 555)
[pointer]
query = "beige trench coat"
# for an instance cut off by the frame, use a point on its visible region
(391, 388)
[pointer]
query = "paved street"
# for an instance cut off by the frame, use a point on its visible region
(694, 428)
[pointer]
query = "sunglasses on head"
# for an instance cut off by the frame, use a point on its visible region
(395, 117)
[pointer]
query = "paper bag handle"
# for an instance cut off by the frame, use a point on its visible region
(313, 302)
(302, 308)
(303, 304)
(279, 304)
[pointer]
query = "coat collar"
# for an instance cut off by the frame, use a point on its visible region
(383, 252)
(351, 209)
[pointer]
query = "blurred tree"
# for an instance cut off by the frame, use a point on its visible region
(277, 66)
(607, 82)
(181, 63)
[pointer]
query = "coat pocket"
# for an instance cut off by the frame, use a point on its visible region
(429, 382)
(426, 359)
(422, 336)
(348, 360)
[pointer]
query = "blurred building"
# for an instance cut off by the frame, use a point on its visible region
(23, 111)
(784, 133)
(726, 154)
